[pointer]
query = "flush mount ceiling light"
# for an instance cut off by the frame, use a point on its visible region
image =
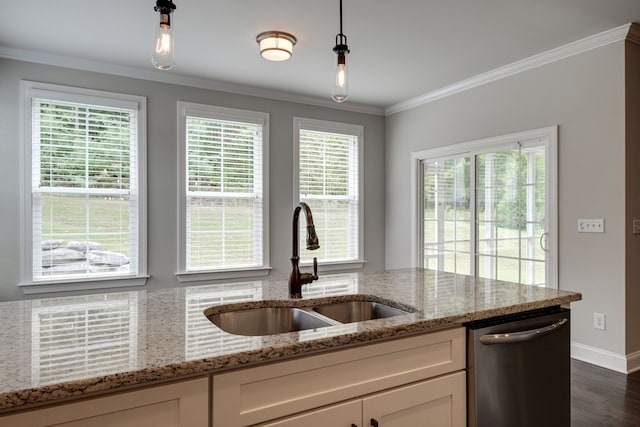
(340, 90)
(276, 45)
(162, 55)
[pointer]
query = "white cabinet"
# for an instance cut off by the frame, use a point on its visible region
(397, 383)
(181, 404)
(439, 402)
(268, 394)
(346, 414)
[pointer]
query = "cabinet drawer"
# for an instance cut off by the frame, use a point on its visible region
(255, 395)
(345, 414)
(181, 404)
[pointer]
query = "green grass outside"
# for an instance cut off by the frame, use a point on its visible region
(506, 243)
(96, 218)
(106, 220)
(65, 217)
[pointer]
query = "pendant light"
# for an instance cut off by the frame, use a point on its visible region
(162, 55)
(340, 90)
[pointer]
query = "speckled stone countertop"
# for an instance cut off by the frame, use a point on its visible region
(57, 349)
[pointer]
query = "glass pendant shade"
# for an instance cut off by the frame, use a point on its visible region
(162, 53)
(340, 90)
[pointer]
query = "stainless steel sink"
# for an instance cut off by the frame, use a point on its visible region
(267, 321)
(357, 311)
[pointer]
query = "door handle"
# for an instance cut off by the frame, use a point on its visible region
(543, 241)
(515, 337)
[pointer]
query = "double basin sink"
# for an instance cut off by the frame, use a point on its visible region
(269, 320)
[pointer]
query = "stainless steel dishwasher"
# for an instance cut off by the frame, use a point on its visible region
(519, 370)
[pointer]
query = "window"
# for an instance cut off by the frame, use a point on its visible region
(223, 224)
(328, 177)
(488, 208)
(84, 178)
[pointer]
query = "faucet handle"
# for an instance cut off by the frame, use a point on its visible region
(305, 278)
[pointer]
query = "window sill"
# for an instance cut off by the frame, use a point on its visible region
(83, 284)
(198, 276)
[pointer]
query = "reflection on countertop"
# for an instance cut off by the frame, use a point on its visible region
(59, 348)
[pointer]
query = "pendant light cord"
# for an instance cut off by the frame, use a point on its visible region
(341, 39)
(341, 18)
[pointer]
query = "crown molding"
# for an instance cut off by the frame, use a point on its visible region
(559, 53)
(179, 79)
(630, 32)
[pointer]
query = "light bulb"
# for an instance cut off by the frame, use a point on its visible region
(162, 55)
(340, 91)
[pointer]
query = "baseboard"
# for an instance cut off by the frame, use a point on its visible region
(633, 362)
(625, 364)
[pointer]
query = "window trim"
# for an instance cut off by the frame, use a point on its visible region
(300, 123)
(30, 90)
(220, 113)
(472, 148)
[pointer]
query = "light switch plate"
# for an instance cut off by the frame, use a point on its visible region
(591, 226)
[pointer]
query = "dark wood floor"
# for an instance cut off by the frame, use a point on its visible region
(603, 398)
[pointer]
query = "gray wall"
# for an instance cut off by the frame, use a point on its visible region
(162, 166)
(632, 158)
(585, 96)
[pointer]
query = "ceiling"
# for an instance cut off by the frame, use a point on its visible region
(400, 49)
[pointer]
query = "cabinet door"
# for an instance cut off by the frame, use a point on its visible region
(440, 402)
(259, 394)
(346, 414)
(183, 404)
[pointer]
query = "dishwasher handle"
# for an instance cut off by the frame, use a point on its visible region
(516, 337)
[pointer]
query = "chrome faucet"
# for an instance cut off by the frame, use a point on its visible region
(297, 279)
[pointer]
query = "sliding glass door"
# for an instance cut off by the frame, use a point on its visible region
(486, 210)
(447, 215)
(510, 208)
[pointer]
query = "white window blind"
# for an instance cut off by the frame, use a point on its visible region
(85, 194)
(83, 336)
(329, 182)
(224, 212)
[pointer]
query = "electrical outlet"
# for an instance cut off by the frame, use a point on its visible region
(599, 321)
(591, 226)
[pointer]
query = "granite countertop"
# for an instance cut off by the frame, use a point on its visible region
(57, 349)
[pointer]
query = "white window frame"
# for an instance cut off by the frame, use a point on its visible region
(231, 114)
(300, 123)
(30, 90)
(472, 148)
